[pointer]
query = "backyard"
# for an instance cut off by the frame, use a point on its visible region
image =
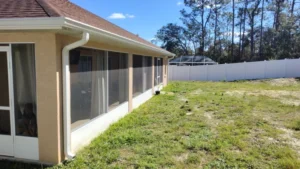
(245, 124)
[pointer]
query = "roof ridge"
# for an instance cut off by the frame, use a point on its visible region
(48, 8)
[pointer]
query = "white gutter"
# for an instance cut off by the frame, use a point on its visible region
(74, 24)
(59, 23)
(67, 93)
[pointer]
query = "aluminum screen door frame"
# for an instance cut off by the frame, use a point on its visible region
(7, 141)
(21, 147)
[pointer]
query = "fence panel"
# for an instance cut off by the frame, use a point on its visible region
(237, 71)
(255, 70)
(182, 73)
(275, 68)
(293, 68)
(216, 72)
(198, 73)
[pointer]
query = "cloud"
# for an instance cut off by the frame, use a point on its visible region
(130, 16)
(153, 39)
(120, 16)
(179, 3)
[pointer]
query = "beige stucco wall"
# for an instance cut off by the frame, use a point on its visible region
(48, 48)
(47, 88)
(165, 71)
(63, 40)
(130, 85)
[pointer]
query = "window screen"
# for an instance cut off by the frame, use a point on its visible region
(137, 75)
(118, 79)
(158, 75)
(148, 72)
(142, 74)
(88, 85)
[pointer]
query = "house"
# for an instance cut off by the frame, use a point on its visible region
(192, 61)
(65, 76)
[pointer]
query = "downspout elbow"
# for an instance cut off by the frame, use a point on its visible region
(67, 93)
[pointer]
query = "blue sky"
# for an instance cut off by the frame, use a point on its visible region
(143, 17)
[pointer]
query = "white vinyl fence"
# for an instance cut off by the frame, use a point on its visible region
(287, 68)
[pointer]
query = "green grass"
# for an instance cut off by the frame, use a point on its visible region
(199, 125)
(295, 125)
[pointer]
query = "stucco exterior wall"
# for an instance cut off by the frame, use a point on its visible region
(63, 40)
(48, 73)
(48, 54)
(165, 71)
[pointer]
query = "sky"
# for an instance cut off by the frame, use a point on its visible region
(142, 17)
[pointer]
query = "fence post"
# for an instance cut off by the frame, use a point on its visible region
(285, 67)
(265, 64)
(189, 72)
(245, 69)
(206, 72)
(226, 72)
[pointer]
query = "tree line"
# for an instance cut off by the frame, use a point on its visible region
(235, 30)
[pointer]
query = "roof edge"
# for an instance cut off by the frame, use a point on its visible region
(58, 23)
(74, 24)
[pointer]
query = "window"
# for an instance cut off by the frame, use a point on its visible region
(142, 74)
(118, 79)
(24, 75)
(88, 85)
(148, 73)
(137, 75)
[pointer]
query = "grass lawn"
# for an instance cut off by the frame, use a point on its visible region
(249, 124)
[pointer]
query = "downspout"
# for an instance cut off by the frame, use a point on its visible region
(67, 93)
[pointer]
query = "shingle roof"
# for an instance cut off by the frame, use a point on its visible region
(21, 9)
(61, 8)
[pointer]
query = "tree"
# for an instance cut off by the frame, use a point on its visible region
(244, 27)
(232, 31)
(202, 9)
(240, 23)
(261, 28)
(174, 39)
(267, 29)
(252, 12)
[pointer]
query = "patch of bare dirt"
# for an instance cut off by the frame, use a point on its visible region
(182, 157)
(208, 115)
(288, 135)
(281, 95)
(278, 82)
(167, 93)
(197, 92)
(211, 120)
(283, 82)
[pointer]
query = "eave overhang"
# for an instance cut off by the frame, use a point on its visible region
(64, 23)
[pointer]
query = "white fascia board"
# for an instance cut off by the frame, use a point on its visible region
(73, 24)
(46, 23)
(58, 23)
